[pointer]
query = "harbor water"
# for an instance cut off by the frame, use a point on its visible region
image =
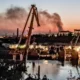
(52, 69)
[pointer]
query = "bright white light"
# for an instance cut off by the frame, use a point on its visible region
(77, 48)
(13, 46)
(31, 46)
(46, 49)
(68, 47)
(45, 61)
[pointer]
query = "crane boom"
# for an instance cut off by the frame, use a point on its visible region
(34, 15)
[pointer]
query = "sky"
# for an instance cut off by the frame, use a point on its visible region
(69, 10)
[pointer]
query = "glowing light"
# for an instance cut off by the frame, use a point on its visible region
(46, 49)
(45, 62)
(77, 48)
(22, 46)
(43, 47)
(31, 46)
(13, 46)
(68, 47)
(1, 37)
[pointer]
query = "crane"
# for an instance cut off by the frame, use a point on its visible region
(33, 14)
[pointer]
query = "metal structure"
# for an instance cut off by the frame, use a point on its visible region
(76, 41)
(34, 13)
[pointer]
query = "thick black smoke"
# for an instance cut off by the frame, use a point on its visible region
(53, 19)
(15, 13)
(15, 17)
(57, 21)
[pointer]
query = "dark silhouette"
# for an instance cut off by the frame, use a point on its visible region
(33, 66)
(61, 56)
(45, 77)
(29, 77)
(52, 50)
(74, 57)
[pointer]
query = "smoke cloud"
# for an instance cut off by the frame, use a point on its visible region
(53, 19)
(15, 13)
(15, 17)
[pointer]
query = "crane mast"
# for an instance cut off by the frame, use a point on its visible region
(34, 13)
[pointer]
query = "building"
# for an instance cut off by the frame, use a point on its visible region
(65, 33)
(77, 32)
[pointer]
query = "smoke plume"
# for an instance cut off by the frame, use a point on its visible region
(15, 17)
(53, 19)
(57, 21)
(15, 13)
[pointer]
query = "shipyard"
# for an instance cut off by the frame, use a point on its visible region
(34, 45)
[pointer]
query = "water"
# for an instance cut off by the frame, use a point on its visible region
(52, 69)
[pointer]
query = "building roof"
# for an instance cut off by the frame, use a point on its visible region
(76, 29)
(64, 31)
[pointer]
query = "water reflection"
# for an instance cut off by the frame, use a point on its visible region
(33, 66)
(52, 69)
(38, 68)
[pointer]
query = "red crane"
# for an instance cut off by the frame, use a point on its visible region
(34, 15)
